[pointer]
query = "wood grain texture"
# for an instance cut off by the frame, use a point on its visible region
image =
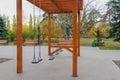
(19, 36)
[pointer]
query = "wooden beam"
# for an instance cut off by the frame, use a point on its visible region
(19, 36)
(75, 11)
(62, 46)
(78, 33)
(49, 35)
(56, 51)
(69, 50)
(57, 5)
(80, 4)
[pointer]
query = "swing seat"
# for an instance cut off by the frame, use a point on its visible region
(57, 53)
(51, 58)
(35, 62)
(40, 60)
(61, 50)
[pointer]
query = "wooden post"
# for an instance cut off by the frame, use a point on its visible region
(75, 11)
(49, 35)
(19, 36)
(78, 33)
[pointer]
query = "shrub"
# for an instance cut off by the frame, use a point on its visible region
(25, 35)
(52, 40)
(11, 35)
(31, 35)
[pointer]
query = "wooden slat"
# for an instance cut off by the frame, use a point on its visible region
(56, 51)
(57, 5)
(62, 46)
(69, 50)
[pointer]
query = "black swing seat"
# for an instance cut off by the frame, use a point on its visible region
(57, 53)
(35, 62)
(61, 50)
(51, 58)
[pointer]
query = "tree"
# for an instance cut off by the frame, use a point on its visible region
(14, 25)
(3, 30)
(45, 16)
(114, 32)
(11, 35)
(65, 22)
(25, 31)
(55, 29)
(103, 29)
(8, 24)
(5, 19)
(30, 22)
(89, 17)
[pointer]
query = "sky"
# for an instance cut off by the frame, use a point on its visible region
(8, 7)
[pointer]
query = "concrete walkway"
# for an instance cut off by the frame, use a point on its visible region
(94, 64)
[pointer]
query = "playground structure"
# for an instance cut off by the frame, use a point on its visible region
(53, 7)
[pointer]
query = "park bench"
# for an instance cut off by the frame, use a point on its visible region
(65, 42)
(30, 42)
(3, 41)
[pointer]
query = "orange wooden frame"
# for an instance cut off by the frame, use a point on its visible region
(58, 6)
(19, 36)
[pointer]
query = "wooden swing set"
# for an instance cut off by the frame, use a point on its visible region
(54, 7)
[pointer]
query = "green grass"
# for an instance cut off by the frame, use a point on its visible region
(86, 41)
(10, 43)
(109, 44)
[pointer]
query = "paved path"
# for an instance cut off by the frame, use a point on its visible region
(94, 64)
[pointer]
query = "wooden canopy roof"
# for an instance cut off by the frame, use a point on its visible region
(56, 6)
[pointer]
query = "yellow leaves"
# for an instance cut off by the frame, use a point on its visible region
(104, 30)
(93, 31)
(25, 28)
(55, 28)
(8, 27)
(52, 40)
(103, 27)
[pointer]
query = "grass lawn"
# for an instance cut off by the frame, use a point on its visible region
(86, 41)
(109, 44)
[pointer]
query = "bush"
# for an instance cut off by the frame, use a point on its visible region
(31, 35)
(52, 40)
(25, 35)
(11, 35)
